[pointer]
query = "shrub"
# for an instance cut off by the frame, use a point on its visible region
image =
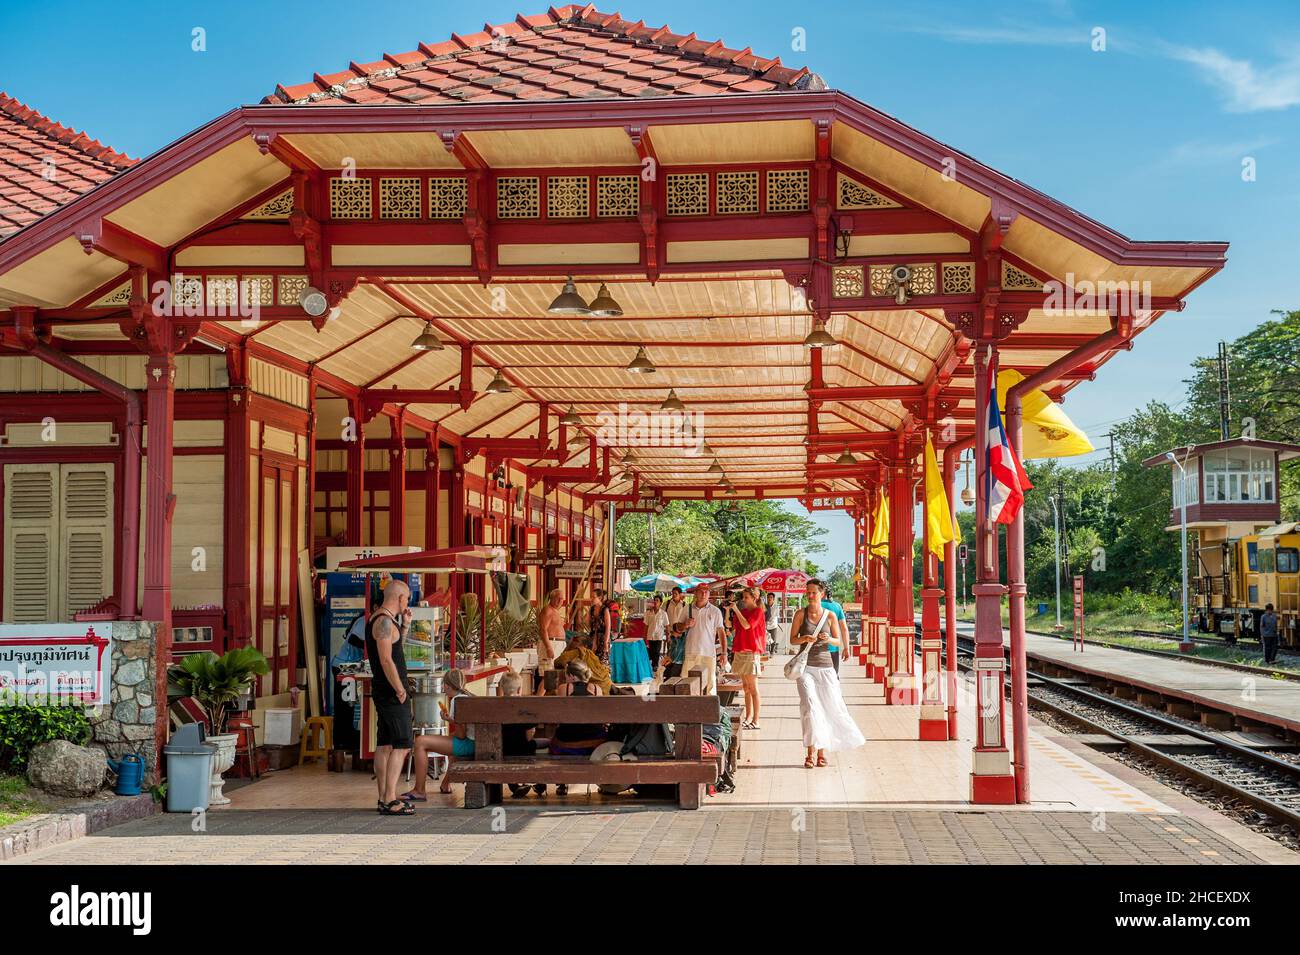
(23, 728)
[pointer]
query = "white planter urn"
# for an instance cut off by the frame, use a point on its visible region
(224, 759)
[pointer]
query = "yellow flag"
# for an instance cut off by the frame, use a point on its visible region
(938, 518)
(1045, 429)
(880, 530)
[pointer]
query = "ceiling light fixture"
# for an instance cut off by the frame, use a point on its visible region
(569, 302)
(498, 385)
(427, 340)
(715, 467)
(603, 305)
(641, 364)
(570, 418)
(819, 337)
(672, 402)
(846, 458)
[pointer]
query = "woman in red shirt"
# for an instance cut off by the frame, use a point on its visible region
(751, 635)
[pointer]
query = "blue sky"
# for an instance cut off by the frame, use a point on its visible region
(1148, 135)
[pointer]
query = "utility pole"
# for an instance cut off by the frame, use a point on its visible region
(1056, 564)
(1225, 399)
(1110, 436)
(650, 542)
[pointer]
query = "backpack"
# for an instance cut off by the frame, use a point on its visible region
(649, 739)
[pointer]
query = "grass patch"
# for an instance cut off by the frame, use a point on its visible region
(16, 801)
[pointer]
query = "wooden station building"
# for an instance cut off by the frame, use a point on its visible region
(222, 333)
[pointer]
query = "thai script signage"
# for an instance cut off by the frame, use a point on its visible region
(55, 662)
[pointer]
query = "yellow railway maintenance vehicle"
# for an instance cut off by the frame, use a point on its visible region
(1241, 555)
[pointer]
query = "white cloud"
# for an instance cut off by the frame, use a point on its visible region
(1245, 87)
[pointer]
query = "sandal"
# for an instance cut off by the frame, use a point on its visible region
(397, 808)
(808, 763)
(413, 796)
(821, 761)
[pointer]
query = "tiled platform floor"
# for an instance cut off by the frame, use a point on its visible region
(895, 800)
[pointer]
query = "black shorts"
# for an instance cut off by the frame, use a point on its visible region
(393, 725)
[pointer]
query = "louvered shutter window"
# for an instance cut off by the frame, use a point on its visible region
(31, 523)
(87, 536)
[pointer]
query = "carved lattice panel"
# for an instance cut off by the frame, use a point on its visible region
(448, 197)
(518, 197)
(119, 296)
(187, 291)
(276, 208)
(1018, 279)
(738, 193)
(568, 197)
(846, 281)
(222, 291)
(258, 290)
(349, 198)
(853, 195)
(925, 280)
(688, 194)
(290, 287)
(787, 190)
(617, 196)
(958, 278)
(880, 282)
(399, 197)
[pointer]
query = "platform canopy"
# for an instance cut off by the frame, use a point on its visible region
(730, 205)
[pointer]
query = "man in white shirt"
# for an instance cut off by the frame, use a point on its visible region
(656, 621)
(705, 640)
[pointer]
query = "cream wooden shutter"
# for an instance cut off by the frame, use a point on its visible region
(31, 542)
(86, 536)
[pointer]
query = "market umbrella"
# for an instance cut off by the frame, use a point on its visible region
(658, 583)
(776, 580)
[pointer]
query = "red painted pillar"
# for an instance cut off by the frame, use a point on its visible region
(160, 375)
(1016, 588)
(354, 435)
(991, 779)
(397, 482)
(432, 491)
(934, 719)
(950, 456)
(238, 572)
(900, 686)
(879, 579)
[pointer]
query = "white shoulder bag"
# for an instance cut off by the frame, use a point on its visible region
(795, 666)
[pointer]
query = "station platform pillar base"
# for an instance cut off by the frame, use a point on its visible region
(934, 723)
(991, 780)
(901, 690)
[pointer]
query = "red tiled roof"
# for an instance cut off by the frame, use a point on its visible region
(567, 52)
(44, 165)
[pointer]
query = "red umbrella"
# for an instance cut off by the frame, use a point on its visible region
(775, 580)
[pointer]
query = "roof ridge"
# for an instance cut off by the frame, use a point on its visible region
(660, 38)
(74, 138)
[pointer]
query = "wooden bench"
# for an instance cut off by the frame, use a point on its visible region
(489, 769)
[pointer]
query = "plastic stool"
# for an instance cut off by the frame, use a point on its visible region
(326, 726)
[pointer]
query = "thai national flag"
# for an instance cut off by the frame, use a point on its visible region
(1007, 481)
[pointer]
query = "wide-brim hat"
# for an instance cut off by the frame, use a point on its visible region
(611, 750)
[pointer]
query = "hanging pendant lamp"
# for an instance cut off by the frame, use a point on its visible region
(569, 302)
(672, 402)
(641, 364)
(570, 418)
(603, 305)
(845, 457)
(498, 385)
(427, 340)
(819, 337)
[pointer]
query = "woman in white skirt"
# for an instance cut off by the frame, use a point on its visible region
(827, 724)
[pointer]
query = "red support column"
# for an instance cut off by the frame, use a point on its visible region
(238, 572)
(934, 719)
(991, 777)
(432, 491)
(900, 686)
(160, 503)
(354, 435)
(397, 482)
(950, 456)
(879, 579)
(1016, 588)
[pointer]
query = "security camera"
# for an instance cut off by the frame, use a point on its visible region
(901, 274)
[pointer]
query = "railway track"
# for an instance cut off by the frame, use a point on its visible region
(1270, 672)
(1265, 780)
(1207, 640)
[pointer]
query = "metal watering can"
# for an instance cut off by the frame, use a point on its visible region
(130, 774)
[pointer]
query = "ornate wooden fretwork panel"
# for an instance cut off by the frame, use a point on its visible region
(958, 278)
(1019, 280)
(223, 291)
(925, 280)
(399, 197)
(688, 194)
(187, 291)
(846, 281)
(518, 197)
(276, 208)
(853, 195)
(617, 196)
(447, 197)
(787, 190)
(568, 197)
(258, 290)
(290, 287)
(119, 296)
(349, 198)
(738, 193)
(880, 281)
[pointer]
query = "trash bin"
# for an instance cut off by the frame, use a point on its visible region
(1042, 609)
(189, 769)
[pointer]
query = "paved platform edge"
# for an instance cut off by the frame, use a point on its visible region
(40, 832)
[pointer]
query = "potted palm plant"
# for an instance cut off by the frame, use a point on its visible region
(216, 683)
(511, 639)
